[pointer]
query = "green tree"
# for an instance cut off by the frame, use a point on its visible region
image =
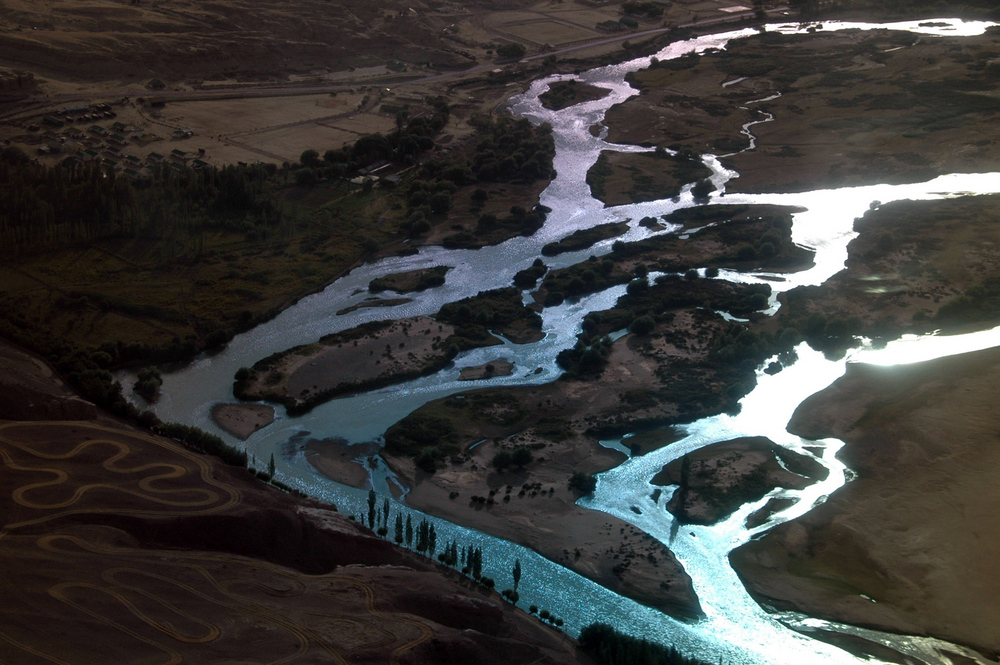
(477, 563)
(399, 529)
(512, 51)
(582, 482)
(371, 509)
(521, 456)
(310, 158)
(409, 531)
(517, 573)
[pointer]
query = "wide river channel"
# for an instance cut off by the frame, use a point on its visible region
(735, 630)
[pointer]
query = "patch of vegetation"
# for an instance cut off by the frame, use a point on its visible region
(584, 483)
(608, 646)
(202, 442)
(148, 382)
(491, 229)
(511, 51)
(754, 236)
(585, 238)
(519, 457)
(587, 358)
(621, 178)
(527, 278)
(249, 384)
(648, 8)
(409, 282)
(441, 428)
(563, 94)
(671, 293)
(500, 310)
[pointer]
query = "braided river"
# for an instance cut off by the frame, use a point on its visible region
(735, 629)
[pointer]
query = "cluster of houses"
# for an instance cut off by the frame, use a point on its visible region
(107, 146)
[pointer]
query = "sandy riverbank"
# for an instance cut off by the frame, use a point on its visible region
(602, 548)
(372, 355)
(549, 420)
(912, 545)
(716, 480)
(242, 420)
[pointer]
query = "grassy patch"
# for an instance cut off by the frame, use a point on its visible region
(409, 282)
(562, 94)
(621, 178)
(584, 238)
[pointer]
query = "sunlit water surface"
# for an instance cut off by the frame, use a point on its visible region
(735, 629)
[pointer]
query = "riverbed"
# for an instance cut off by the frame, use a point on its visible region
(735, 629)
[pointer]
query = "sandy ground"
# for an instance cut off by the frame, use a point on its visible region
(404, 346)
(717, 479)
(534, 507)
(242, 420)
(590, 543)
(912, 545)
(344, 462)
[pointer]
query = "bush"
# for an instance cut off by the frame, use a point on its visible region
(702, 189)
(148, 382)
(512, 51)
(642, 325)
(521, 456)
(502, 459)
(582, 482)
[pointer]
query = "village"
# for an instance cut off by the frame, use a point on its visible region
(122, 147)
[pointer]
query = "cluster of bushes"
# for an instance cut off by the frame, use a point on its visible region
(498, 310)
(47, 207)
(426, 436)
(608, 646)
(519, 457)
(587, 358)
(648, 9)
(581, 279)
(527, 278)
(490, 228)
(585, 238)
(598, 274)
(419, 280)
(203, 442)
(511, 51)
(430, 434)
(512, 150)
(672, 292)
(546, 616)
(584, 483)
(562, 94)
(148, 382)
(412, 137)
(739, 345)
